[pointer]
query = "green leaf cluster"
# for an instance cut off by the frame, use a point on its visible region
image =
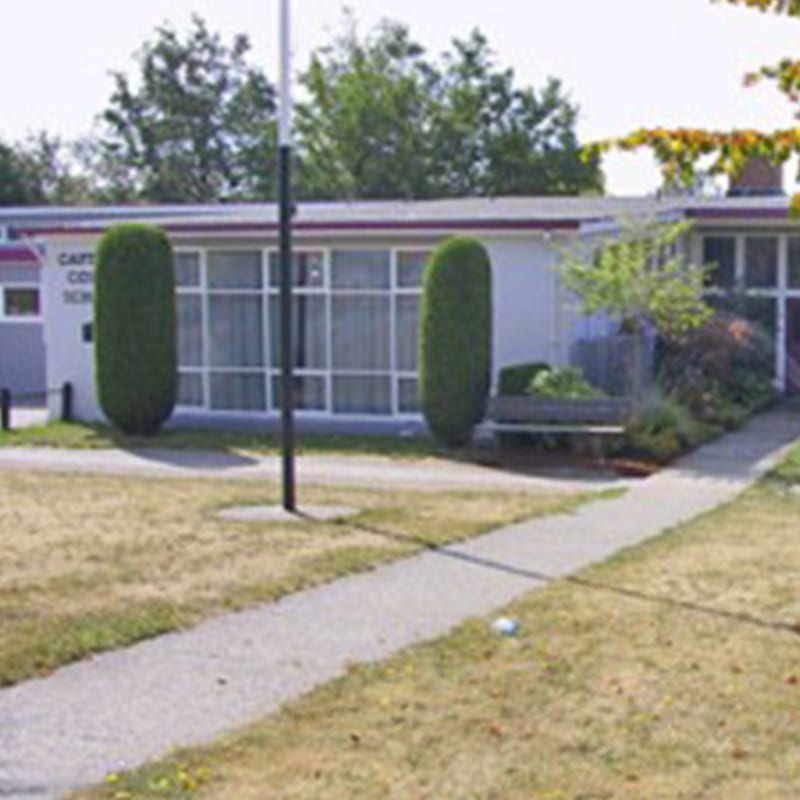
(456, 339)
(641, 277)
(135, 328)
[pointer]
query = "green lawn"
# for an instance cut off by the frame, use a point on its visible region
(93, 436)
(672, 671)
(93, 562)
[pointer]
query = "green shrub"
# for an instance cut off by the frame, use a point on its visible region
(516, 379)
(456, 339)
(722, 371)
(135, 337)
(663, 428)
(563, 383)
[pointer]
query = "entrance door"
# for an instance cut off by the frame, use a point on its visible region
(793, 346)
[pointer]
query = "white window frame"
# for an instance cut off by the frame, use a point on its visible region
(325, 291)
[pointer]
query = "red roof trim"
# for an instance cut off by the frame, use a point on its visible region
(17, 255)
(398, 225)
(740, 213)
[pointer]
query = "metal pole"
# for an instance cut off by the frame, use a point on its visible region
(285, 246)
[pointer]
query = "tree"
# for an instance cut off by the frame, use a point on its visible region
(456, 338)
(723, 152)
(364, 130)
(492, 137)
(641, 278)
(18, 181)
(383, 121)
(135, 328)
(196, 126)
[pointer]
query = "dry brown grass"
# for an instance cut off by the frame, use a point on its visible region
(92, 562)
(640, 682)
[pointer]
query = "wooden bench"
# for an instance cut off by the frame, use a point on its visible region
(605, 416)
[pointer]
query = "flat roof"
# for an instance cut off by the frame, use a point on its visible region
(502, 213)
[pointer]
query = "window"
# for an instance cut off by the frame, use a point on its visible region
(720, 252)
(360, 269)
(355, 320)
(761, 262)
(793, 278)
(410, 267)
(235, 269)
(187, 269)
(21, 303)
(307, 270)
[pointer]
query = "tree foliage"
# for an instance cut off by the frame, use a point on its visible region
(641, 276)
(41, 170)
(679, 151)
(194, 121)
(194, 126)
(383, 120)
(18, 184)
(135, 328)
(363, 132)
(456, 339)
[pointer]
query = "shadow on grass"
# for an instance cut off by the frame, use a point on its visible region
(538, 577)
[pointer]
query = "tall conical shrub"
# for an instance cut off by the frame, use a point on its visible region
(456, 339)
(135, 328)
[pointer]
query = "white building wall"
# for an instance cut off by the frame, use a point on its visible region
(530, 320)
(67, 286)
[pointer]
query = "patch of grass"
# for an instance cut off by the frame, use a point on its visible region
(669, 672)
(92, 563)
(84, 436)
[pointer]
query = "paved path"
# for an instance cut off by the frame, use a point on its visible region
(371, 471)
(119, 709)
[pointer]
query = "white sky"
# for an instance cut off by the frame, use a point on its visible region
(627, 63)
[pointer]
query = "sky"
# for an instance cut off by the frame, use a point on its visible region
(626, 63)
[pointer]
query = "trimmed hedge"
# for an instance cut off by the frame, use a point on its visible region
(517, 378)
(456, 339)
(135, 328)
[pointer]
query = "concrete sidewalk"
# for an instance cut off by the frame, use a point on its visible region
(425, 474)
(120, 709)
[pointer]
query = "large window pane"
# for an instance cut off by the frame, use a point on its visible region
(187, 269)
(407, 331)
(190, 330)
(234, 269)
(360, 269)
(308, 392)
(190, 389)
(309, 337)
(410, 268)
(362, 394)
(720, 251)
(793, 277)
(307, 269)
(360, 333)
(236, 331)
(238, 391)
(408, 396)
(761, 261)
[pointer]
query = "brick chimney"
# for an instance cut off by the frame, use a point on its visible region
(759, 178)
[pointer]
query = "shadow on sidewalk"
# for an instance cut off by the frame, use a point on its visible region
(450, 551)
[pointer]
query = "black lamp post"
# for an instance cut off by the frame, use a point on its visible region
(285, 246)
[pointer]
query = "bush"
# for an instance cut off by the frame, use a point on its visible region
(516, 379)
(663, 428)
(563, 383)
(135, 338)
(456, 339)
(723, 371)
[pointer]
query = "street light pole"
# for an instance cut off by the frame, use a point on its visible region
(285, 247)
